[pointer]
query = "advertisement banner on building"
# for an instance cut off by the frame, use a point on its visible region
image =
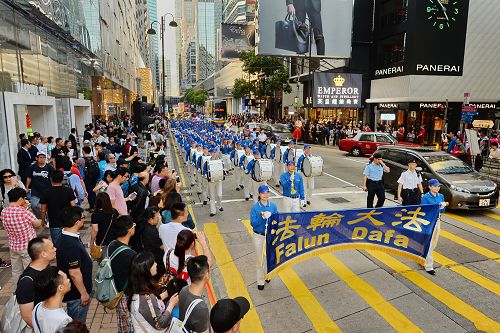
(236, 38)
(289, 27)
(337, 90)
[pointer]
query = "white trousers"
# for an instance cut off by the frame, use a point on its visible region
(215, 191)
(256, 189)
(247, 182)
(308, 187)
(278, 170)
(193, 174)
(238, 174)
(204, 188)
(291, 205)
(260, 260)
(199, 181)
(429, 261)
(227, 162)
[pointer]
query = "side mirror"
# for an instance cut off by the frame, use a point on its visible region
(419, 169)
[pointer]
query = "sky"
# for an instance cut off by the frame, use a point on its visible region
(168, 6)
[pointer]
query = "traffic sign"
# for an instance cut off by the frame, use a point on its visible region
(483, 123)
(469, 108)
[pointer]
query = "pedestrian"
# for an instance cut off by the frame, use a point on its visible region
(145, 302)
(124, 228)
(410, 185)
(452, 141)
(8, 181)
(259, 218)
(118, 201)
(38, 181)
(434, 197)
(73, 181)
(58, 154)
(372, 180)
(20, 224)
(293, 189)
(53, 200)
(102, 218)
(92, 174)
(24, 160)
(494, 151)
(102, 186)
(41, 251)
(227, 313)
(51, 285)
(161, 171)
(75, 262)
(191, 296)
(150, 238)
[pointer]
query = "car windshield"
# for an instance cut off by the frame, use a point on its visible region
(280, 128)
(447, 164)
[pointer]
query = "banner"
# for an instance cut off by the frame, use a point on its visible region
(288, 27)
(402, 230)
(337, 90)
(236, 38)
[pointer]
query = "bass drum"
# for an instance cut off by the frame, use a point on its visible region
(312, 166)
(294, 154)
(278, 155)
(269, 149)
(263, 170)
(237, 156)
(193, 155)
(215, 170)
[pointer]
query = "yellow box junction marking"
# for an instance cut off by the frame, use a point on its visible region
(472, 246)
(492, 215)
(235, 285)
(480, 320)
(476, 224)
(319, 318)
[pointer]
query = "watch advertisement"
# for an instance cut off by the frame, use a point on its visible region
(320, 28)
(337, 90)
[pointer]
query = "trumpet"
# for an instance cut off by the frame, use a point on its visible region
(292, 178)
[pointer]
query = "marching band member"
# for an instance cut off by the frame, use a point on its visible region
(225, 150)
(246, 177)
(214, 188)
(201, 181)
(293, 188)
(189, 150)
(287, 152)
(238, 172)
(194, 160)
(278, 167)
(250, 170)
(308, 181)
(259, 217)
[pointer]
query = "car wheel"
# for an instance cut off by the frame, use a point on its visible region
(356, 151)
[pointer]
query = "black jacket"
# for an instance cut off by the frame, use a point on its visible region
(137, 207)
(24, 160)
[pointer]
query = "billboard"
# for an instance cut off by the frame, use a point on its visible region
(288, 27)
(236, 38)
(337, 90)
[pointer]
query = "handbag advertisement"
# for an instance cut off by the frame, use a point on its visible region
(292, 27)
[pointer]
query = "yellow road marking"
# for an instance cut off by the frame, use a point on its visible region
(493, 216)
(476, 224)
(235, 285)
(319, 318)
(467, 273)
(480, 320)
(385, 309)
(472, 246)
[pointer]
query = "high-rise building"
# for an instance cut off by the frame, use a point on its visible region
(168, 77)
(176, 84)
(154, 55)
(188, 49)
(238, 11)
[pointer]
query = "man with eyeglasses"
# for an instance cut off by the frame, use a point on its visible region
(111, 159)
(38, 181)
(115, 192)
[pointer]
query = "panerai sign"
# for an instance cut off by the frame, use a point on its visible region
(340, 90)
(29, 89)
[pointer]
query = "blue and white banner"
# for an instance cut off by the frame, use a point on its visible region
(402, 230)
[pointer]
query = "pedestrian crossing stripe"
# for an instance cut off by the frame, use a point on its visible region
(480, 320)
(235, 285)
(493, 216)
(319, 318)
(476, 224)
(472, 246)
(467, 273)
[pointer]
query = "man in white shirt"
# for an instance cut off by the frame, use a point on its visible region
(51, 285)
(410, 185)
(168, 232)
(42, 145)
(494, 151)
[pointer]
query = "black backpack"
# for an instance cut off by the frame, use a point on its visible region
(91, 168)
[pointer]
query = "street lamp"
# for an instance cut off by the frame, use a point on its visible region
(152, 31)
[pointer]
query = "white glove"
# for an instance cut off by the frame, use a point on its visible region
(442, 205)
(303, 203)
(266, 215)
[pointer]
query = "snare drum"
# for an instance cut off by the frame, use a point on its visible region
(237, 156)
(278, 155)
(263, 170)
(294, 155)
(247, 159)
(215, 170)
(269, 149)
(312, 166)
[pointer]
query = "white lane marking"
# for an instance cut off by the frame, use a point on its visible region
(346, 182)
(353, 160)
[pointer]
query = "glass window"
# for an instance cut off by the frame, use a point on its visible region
(367, 138)
(397, 157)
(383, 138)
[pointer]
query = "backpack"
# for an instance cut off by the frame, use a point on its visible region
(178, 326)
(106, 292)
(92, 170)
(66, 181)
(11, 318)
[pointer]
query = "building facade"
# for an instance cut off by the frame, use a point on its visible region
(154, 50)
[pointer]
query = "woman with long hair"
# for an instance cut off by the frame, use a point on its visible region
(103, 184)
(8, 181)
(144, 301)
(171, 185)
(102, 233)
(166, 216)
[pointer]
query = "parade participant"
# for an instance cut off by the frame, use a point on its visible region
(372, 181)
(225, 150)
(201, 181)
(263, 147)
(246, 177)
(293, 189)
(214, 187)
(278, 167)
(194, 176)
(410, 185)
(250, 170)
(308, 181)
(259, 217)
(290, 145)
(238, 172)
(433, 197)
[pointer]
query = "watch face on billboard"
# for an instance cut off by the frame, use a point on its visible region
(320, 28)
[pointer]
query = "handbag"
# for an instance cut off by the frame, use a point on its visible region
(291, 35)
(96, 250)
(167, 276)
